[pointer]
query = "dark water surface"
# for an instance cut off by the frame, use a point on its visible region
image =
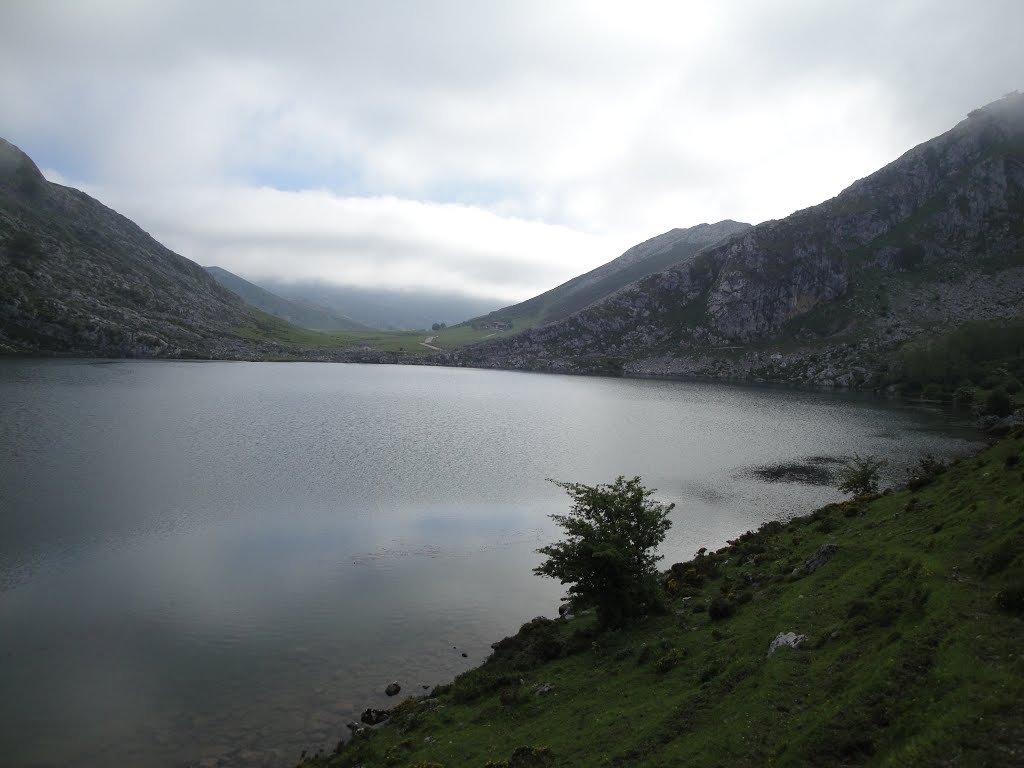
(200, 560)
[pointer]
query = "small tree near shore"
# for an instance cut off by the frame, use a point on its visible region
(608, 555)
(860, 475)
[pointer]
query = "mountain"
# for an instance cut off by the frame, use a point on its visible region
(648, 257)
(828, 295)
(397, 310)
(78, 278)
(300, 314)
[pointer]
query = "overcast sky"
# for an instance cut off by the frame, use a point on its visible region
(492, 148)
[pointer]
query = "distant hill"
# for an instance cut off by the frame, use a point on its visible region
(832, 295)
(398, 310)
(641, 260)
(305, 315)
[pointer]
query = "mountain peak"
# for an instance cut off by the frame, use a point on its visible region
(17, 168)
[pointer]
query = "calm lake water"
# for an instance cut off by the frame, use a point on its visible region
(231, 560)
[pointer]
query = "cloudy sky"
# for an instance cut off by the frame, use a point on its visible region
(495, 148)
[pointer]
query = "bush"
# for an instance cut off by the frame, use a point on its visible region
(524, 757)
(860, 475)
(997, 403)
(669, 661)
(928, 468)
(964, 395)
(721, 608)
(536, 642)
(608, 556)
(1011, 597)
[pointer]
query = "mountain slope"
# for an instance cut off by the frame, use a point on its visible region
(303, 315)
(380, 308)
(651, 256)
(79, 278)
(827, 295)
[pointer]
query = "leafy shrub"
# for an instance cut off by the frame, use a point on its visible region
(524, 757)
(1011, 597)
(927, 469)
(536, 642)
(721, 608)
(514, 695)
(478, 683)
(669, 661)
(608, 556)
(860, 476)
(997, 403)
(964, 395)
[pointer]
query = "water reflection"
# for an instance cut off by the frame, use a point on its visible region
(196, 559)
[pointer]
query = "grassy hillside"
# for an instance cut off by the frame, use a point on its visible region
(913, 652)
(263, 328)
(302, 315)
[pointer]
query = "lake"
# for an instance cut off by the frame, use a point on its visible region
(204, 561)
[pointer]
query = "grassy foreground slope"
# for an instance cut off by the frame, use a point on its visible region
(914, 652)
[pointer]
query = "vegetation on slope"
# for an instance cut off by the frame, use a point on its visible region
(979, 355)
(912, 651)
(302, 315)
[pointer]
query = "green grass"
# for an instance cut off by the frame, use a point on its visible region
(264, 327)
(914, 656)
(267, 328)
(461, 335)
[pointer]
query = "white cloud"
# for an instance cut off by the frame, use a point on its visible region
(367, 241)
(499, 147)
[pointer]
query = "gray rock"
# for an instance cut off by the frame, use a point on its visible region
(790, 639)
(823, 555)
(393, 689)
(375, 716)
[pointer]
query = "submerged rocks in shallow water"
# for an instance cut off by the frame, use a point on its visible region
(813, 470)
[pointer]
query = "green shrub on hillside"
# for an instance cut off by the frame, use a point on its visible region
(860, 476)
(608, 556)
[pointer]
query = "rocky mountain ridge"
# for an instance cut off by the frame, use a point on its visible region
(825, 295)
(646, 258)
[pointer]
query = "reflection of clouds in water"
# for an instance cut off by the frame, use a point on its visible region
(398, 548)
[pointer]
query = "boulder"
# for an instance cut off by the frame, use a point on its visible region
(393, 689)
(823, 555)
(791, 639)
(374, 716)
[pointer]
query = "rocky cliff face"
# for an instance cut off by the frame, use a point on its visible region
(825, 295)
